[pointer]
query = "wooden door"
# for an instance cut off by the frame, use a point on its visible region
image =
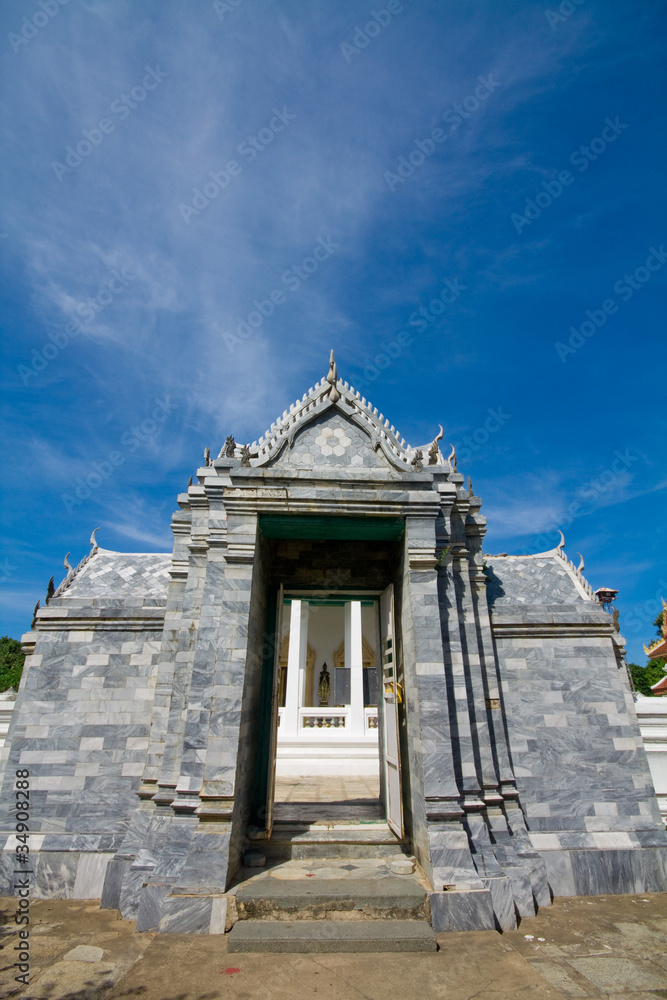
(275, 705)
(391, 694)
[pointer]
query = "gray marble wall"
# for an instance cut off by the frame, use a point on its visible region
(577, 754)
(81, 727)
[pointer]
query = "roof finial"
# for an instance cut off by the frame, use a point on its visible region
(561, 544)
(332, 379)
(93, 540)
(434, 451)
(580, 567)
(452, 459)
(66, 563)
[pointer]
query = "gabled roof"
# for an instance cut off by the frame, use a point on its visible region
(330, 392)
(658, 648)
(545, 578)
(106, 574)
(660, 687)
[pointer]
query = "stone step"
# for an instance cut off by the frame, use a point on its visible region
(349, 811)
(297, 841)
(331, 936)
(389, 898)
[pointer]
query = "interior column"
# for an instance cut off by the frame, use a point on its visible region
(354, 662)
(296, 667)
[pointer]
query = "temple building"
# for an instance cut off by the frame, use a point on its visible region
(328, 617)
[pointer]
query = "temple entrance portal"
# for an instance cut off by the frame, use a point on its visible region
(336, 739)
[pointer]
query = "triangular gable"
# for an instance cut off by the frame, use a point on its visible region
(335, 409)
(331, 440)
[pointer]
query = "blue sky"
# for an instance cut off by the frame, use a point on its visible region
(116, 262)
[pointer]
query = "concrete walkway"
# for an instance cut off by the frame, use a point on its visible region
(614, 946)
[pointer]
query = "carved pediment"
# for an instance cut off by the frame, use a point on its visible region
(332, 440)
(368, 658)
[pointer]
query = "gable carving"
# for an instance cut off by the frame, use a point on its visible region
(367, 654)
(331, 440)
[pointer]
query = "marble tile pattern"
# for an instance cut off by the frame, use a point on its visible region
(523, 767)
(576, 751)
(331, 441)
(119, 575)
(529, 580)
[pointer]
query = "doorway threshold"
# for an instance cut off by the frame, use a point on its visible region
(327, 800)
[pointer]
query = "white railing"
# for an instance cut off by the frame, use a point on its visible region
(331, 718)
(323, 718)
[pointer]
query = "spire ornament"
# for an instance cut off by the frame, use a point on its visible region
(332, 379)
(452, 458)
(434, 450)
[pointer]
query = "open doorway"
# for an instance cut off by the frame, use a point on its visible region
(330, 600)
(335, 748)
(327, 765)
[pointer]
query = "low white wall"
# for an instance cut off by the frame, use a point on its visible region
(323, 755)
(652, 716)
(7, 702)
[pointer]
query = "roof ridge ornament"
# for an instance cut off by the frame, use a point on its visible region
(434, 450)
(332, 379)
(452, 458)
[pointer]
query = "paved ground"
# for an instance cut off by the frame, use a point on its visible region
(614, 947)
(323, 868)
(327, 788)
(330, 798)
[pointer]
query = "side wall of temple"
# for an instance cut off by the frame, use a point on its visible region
(577, 754)
(81, 726)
